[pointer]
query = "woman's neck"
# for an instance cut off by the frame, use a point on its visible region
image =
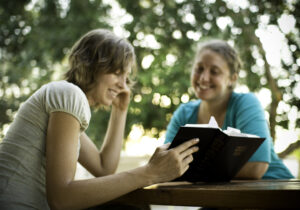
(216, 108)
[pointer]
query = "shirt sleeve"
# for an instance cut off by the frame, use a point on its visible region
(66, 97)
(250, 119)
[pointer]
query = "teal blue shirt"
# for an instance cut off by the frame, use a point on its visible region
(245, 113)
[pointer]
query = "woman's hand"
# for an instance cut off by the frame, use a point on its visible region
(166, 165)
(122, 100)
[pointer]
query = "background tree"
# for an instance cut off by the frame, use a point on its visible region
(35, 37)
(177, 25)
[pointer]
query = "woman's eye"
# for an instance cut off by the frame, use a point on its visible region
(118, 72)
(215, 71)
(199, 69)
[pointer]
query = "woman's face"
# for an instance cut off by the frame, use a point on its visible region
(211, 78)
(108, 87)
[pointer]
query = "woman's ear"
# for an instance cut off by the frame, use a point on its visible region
(233, 79)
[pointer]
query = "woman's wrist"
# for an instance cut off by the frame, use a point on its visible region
(142, 176)
(119, 110)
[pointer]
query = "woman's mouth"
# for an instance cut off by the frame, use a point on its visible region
(203, 87)
(113, 93)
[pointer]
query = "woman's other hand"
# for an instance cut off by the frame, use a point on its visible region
(166, 165)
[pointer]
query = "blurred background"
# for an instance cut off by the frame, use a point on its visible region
(36, 36)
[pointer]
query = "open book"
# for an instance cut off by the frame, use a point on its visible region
(221, 154)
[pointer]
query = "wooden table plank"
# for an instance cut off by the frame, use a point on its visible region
(235, 194)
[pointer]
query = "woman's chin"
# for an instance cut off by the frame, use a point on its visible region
(105, 102)
(204, 97)
(108, 103)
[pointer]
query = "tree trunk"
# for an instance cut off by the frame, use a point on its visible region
(276, 98)
(275, 91)
(291, 148)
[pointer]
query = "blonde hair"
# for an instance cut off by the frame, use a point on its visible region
(98, 52)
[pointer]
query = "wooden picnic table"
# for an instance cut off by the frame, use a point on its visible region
(264, 194)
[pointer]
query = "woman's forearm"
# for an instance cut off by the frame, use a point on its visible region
(111, 148)
(80, 194)
(164, 165)
(252, 170)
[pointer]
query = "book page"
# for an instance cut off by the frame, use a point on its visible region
(213, 124)
(236, 132)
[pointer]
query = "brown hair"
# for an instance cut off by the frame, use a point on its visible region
(98, 52)
(225, 50)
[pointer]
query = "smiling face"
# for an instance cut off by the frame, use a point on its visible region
(95, 59)
(108, 87)
(211, 78)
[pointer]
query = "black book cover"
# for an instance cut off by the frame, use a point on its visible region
(220, 156)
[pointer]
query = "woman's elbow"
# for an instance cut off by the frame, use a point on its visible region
(104, 172)
(54, 203)
(255, 175)
(252, 170)
(58, 199)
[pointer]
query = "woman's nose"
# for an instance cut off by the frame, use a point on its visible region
(204, 75)
(122, 80)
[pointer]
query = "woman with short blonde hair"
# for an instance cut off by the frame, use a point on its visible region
(42, 146)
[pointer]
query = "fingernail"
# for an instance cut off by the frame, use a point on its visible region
(197, 140)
